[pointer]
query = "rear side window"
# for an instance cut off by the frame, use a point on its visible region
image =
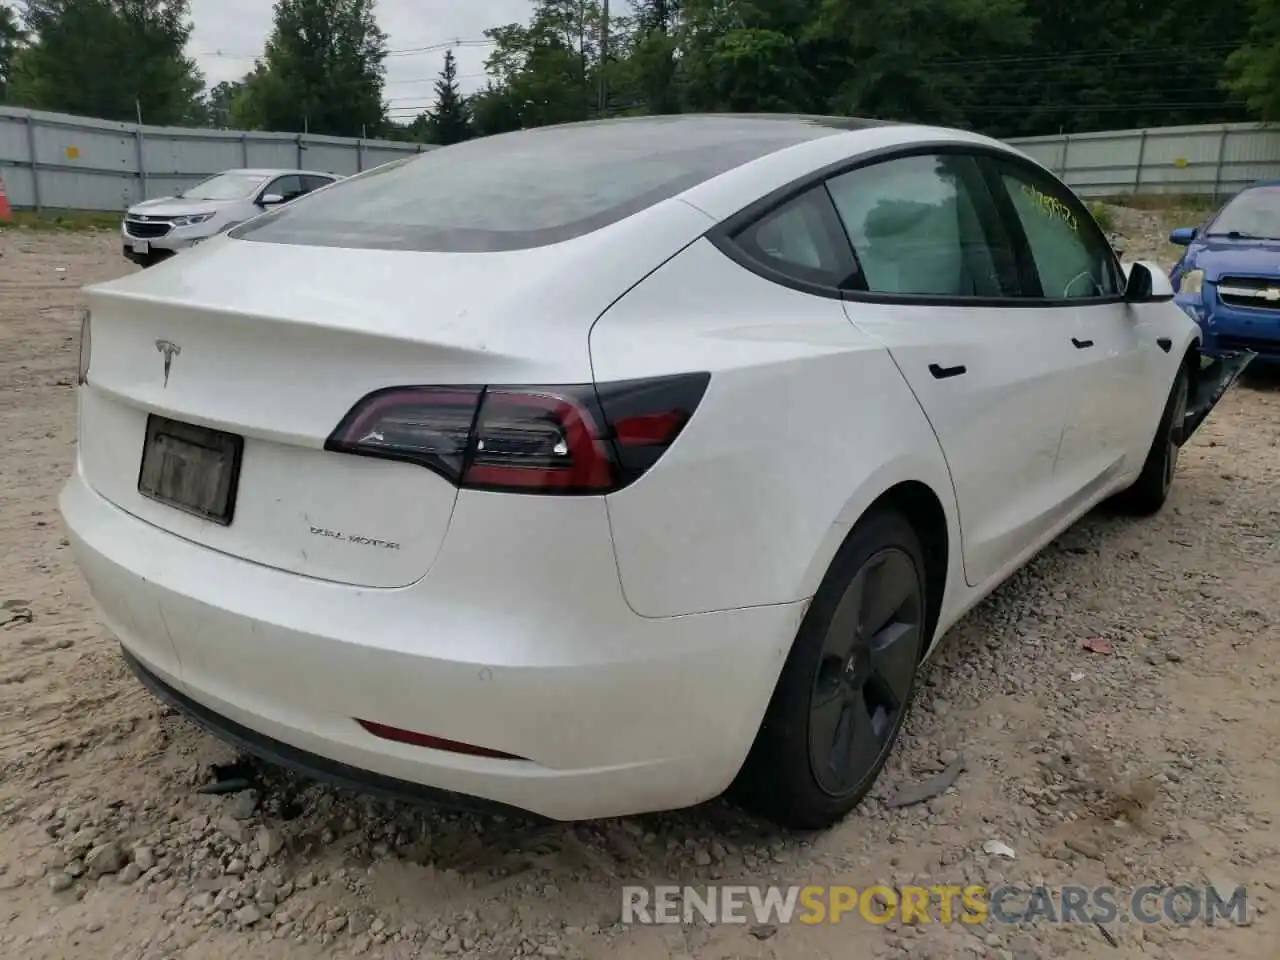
(802, 240)
(926, 226)
(529, 188)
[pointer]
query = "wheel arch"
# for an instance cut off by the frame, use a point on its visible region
(922, 508)
(929, 506)
(929, 516)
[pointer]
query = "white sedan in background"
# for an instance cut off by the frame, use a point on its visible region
(604, 468)
(155, 230)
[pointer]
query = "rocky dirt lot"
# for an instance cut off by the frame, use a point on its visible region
(1112, 705)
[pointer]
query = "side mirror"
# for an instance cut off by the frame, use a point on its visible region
(270, 199)
(1183, 236)
(1147, 283)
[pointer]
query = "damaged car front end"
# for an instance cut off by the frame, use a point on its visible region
(1217, 372)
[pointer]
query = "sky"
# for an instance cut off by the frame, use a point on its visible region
(229, 33)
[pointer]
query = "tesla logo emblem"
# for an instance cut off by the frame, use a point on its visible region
(170, 350)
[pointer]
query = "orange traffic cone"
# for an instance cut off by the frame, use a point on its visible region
(6, 213)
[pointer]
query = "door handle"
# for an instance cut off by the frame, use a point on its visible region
(1081, 344)
(942, 373)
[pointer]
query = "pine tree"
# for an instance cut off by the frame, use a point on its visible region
(449, 121)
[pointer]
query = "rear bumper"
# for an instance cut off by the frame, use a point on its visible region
(521, 644)
(308, 764)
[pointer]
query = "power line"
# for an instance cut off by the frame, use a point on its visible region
(1114, 107)
(435, 48)
(1089, 53)
(461, 76)
(394, 52)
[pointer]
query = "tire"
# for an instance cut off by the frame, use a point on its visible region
(1150, 491)
(847, 684)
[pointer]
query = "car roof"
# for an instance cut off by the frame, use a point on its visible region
(276, 171)
(847, 139)
(565, 181)
(711, 119)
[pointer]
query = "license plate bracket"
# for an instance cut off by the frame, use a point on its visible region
(191, 468)
(141, 246)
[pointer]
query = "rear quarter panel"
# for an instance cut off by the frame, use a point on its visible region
(805, 423)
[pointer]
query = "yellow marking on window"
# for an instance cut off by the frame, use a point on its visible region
(1051, 207)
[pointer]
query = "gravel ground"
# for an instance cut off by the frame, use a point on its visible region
(1152, 761)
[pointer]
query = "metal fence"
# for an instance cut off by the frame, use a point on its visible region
(1211, 161)
(64, 162)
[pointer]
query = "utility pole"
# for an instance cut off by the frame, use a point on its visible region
(604, 57)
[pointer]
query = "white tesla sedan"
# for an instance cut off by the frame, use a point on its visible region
(601, 468)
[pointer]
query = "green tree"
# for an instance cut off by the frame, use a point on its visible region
(744, 56)
(1255, 67)
(494, 110)
(322, 71)
(221, 99)
(110, 59)
(11, 38)
(449, 121)
(1095, 65)
(1005, 67)
(886, 58)
(546, 71)
(652, 60)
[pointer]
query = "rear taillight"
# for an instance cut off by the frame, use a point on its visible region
(578, 439)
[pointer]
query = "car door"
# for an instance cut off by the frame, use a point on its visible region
(1081, 284)
(941, 288)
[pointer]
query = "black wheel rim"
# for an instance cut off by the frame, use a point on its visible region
(865, 672)
(1173, 441)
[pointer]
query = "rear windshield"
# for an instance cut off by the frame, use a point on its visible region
(529, 188)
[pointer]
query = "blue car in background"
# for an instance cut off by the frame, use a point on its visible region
(1228, 281)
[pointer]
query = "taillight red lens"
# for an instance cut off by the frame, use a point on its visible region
(539, 441)
(430, 426)
(577, 439)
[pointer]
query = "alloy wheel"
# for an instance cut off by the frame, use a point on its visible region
(865, 672)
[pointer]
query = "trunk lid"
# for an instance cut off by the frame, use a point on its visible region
(276, 343)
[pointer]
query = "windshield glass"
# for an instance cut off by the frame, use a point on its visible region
(225, 186)
(532, 187)
(1254, 213)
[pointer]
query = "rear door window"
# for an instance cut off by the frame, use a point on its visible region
(926, 226)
